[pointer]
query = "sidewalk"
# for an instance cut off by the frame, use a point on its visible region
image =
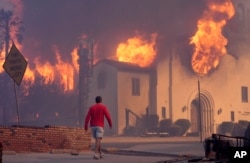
(149, 150)
(82, 157)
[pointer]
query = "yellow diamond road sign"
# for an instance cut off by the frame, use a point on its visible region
(15, 65)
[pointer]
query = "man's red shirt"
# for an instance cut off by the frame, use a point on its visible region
(96, 116)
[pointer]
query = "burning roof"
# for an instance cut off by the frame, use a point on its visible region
(138, 51)
(124, 66)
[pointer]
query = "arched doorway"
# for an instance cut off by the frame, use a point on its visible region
(202, 114)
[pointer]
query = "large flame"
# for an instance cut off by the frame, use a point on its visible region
(137, 50)
(61, 72)
(208, 40)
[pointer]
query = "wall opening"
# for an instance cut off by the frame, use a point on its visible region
(202, 113)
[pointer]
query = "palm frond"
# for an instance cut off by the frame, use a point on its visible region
(15, 27)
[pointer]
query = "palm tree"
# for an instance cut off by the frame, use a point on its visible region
(11, 28)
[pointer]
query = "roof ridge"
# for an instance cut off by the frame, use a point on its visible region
(121, 65)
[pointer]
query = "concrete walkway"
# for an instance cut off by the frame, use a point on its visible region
(149, 150)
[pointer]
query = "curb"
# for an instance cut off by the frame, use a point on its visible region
(9, 153)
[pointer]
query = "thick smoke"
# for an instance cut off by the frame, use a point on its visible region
(60, 23)
(5, 4)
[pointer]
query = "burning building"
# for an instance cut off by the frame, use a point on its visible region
(124, 87)
(187, 60)
(217, 88)
(204, 79)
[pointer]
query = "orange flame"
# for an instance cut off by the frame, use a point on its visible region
(66, 73)
(46, 70)
(62, 72)
(137, 51)
(75, 58)
(208, 40)
(2, 59)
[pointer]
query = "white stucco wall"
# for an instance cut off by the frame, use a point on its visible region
(117, 94)
(223, 85)
(109, 93)
(137, 104)
(162, 89)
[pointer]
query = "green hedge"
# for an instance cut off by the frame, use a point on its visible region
(174, 130)
(247, 135)
(153, 121)
(129, 131)
(164, 125)
(243, 124)
(226, 128)
(185, 125)
(238, 130)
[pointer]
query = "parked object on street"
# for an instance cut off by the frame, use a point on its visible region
(219, 147)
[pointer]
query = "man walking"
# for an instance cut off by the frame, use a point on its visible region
(96, 115)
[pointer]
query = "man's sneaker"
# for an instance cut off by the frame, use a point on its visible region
(101, 155)
(96, 156)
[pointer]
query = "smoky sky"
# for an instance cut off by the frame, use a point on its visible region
(60, 23)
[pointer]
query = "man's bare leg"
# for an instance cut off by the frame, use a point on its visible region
(100, 149)
(97, 145)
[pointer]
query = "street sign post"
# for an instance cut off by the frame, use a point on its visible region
(15, 65)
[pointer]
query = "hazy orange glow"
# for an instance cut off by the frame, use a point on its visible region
(17, 8)
(208, 40)
(75, 58)
(2, 55)
(66, 73)
(61, 72)
(1, 62)
(137, 50)
(29, 74)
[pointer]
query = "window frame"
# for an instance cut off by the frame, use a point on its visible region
(136, 84)
(244, 94)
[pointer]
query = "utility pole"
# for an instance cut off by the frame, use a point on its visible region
(200, 111)
(86, 58)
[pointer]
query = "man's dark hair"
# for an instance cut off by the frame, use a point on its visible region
(98, 99)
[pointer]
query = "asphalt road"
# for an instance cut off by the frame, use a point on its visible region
(123, 150)
(128, 142)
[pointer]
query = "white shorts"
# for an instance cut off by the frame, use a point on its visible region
(97, 131)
